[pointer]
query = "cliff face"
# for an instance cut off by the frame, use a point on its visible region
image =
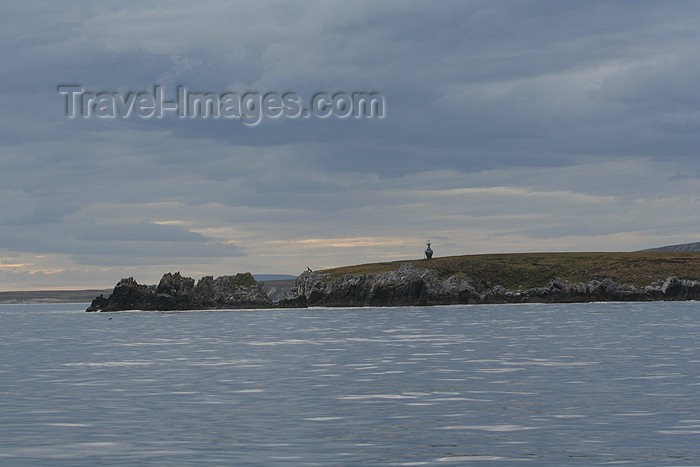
(409, 286)
(175, 292)
(403, 287)
(406, 286)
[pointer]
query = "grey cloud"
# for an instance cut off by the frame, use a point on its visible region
(127, 241)
(140, 231)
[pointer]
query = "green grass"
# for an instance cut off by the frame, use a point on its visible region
(244, 279)
(527, 270)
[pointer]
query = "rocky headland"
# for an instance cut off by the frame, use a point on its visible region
(176, 292)
(410, 286)
(405, 286)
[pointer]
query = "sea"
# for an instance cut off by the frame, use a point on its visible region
(526, 384)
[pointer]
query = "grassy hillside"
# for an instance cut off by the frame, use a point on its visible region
(526, 270)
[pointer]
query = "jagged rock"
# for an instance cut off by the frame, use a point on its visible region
(308, 288)
(229, 291)
(497, 294)
(241, 290)
(609, 290)
(408, 286)
(175, 292)
(558, 291)
(175, 285)
(204, 292)
(557, 284)
(98, 304)
(681, 289)
(405, 286)
(127, 295)
(454, 289)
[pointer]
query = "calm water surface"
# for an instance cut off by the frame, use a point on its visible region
(484, 385)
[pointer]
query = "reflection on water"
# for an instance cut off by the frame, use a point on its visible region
(487, 384)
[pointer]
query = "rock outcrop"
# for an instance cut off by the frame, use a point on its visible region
(404, 287)
(558, 291)
(175, 292)
(681, 289)
(409, 286)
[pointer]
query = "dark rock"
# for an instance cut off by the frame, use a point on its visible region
(98, 303)
(239, 291)
(127, 295)
(679, 289)
(609, 290)
(408, 286)
(175, 285)
(204, 292)
(497, 294)
(454, 289)
(403, 287)
(175, 292)
(557, 284)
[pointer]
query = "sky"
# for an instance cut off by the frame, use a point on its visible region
(511, 126)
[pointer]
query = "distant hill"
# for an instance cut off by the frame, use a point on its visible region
(682, 247)
(273, 277)
(52, 296)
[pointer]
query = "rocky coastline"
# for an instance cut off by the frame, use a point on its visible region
(406, 286)
(176, 292)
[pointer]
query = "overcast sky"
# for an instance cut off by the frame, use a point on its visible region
(509, 127)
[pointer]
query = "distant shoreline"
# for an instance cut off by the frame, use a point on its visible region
(50, 296)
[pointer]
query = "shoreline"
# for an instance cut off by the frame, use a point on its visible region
(388, 307)
(406, 286)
